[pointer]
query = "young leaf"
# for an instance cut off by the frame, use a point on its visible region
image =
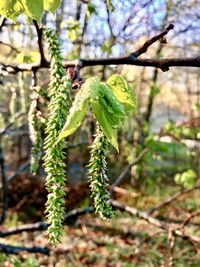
(33, 9)
(109, 112)
(122, 91)
(11, 9)
(52, 5)
(104, 121)
(79, 108)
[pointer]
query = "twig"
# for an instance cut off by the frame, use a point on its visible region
(128, 167)
(190, 217)
(163, 64)
(5, 129)
(132, 59)
(9, 45)
(162, 225)
(8, 249)
(2, 22)
(122, 191)
(22, 168)
(74, 214)
(172, 198)
(70, 219)
(148, 43)
(39, 31)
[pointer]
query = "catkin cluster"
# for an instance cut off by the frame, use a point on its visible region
(36, 121)
(97, 175)
(54, 159)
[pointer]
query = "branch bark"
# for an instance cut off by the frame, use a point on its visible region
(172, 199)
(163, 64)
(8, 249)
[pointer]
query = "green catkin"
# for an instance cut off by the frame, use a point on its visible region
(54, 159)
(13, 106)
(97, 175)
(22, 91)
(35, 129)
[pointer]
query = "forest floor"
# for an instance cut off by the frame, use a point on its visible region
(121, 242)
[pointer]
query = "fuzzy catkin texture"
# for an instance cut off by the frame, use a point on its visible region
(54, 159)
(35, 131)
(98, 177)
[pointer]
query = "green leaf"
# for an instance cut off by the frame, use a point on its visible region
(109, 112)
(52, 5)
(79, 108)
(122, 92)
(106, 46)
(11, 9)
(33, 9)
(91, 9)
(105, 124)
(154, 90)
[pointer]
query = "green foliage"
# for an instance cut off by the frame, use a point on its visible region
(187, 178)
(33, 9)
(51, 5)
(59, 94)
(182, 131)
(154, 90)
(109, 113)
(106, 46)
(11, 9)
(122, 92)
(73, 29)
(107, 106)
(28, 262)
(97, 175)
(91, 9)
(79, 107)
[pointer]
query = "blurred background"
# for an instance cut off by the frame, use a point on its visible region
(166, 123)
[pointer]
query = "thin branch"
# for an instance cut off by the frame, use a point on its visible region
(162, 225)
(163, 64)
(8, 249)
(148, 43)
(72, 216)
(128, 167)
(2, 22)
(70, 219)
(39, 31)
(190, 217)
(10, 46)
(172, 198)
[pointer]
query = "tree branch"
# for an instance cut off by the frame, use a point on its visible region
(148, 43)
(172, 198)
(39, 31)
(128, 167)
(163, 225)
(72, 216)
(163, 64)
(8, 249)
(70, 219)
